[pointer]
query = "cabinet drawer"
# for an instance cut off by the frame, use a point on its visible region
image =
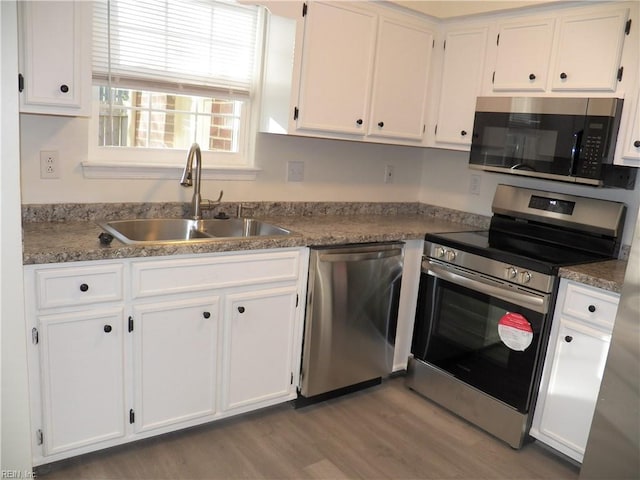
(67, 286)
(197, 274)
(591, 304)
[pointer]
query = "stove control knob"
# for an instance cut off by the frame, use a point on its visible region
(525, 277)
(440, 252)
(511, 272)
(451, 255)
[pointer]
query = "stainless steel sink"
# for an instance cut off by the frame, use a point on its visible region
(177, 230)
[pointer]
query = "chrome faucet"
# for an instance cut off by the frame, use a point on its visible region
(188, 179)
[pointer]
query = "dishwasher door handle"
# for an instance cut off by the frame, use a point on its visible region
(359, 256)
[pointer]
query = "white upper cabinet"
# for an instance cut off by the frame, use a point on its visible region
(589, 50)
(55, 57)
(400, 79)
(629, 143)
(575, 50)
(360, 72)
(464, 53)
(523, 55)
(337, 62)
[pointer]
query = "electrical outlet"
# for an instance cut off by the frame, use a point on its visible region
(295, 171)
(474, 184)
(49, 164)
(388, 174)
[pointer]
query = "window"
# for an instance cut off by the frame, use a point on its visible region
(168, 73)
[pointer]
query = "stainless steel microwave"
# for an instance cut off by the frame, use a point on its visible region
(566, 139)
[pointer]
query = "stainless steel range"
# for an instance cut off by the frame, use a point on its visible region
(486, 299)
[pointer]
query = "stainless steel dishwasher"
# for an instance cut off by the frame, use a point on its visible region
(351, 317)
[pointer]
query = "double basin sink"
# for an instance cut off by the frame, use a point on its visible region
(176, 230)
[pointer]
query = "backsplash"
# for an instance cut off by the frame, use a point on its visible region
(68, 212)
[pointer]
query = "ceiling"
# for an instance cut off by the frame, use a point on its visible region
(458, 8)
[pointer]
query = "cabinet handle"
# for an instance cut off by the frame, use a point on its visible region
(591, 308)
(532, 76)
(84, 287)
(107, 328)
(359, 121)
(381, 124)
(206, 314)
(241, 309)
(568, 339)
(636, 144)
(64, 88)
(463, 133)
(563, 75)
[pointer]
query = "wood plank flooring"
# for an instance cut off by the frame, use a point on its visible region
(384, 432)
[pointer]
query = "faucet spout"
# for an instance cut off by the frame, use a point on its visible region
(189, 179)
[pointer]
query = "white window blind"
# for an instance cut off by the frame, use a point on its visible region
(188, 46)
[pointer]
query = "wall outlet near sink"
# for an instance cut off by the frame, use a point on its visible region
(295, 171)
(49, 164)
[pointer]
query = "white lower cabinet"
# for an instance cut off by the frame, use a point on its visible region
(574, 364)
(170, 342)
(259, 326)
(175, 347)
(82, 375)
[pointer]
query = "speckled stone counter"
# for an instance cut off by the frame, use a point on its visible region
(55, 233)
(607, 275)
(75, 237)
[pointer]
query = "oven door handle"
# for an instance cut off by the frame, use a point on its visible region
(538, 303)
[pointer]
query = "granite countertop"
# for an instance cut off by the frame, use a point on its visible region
(68, 232)
(55, 242)
(608, 275)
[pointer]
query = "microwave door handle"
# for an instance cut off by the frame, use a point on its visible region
(575, 151)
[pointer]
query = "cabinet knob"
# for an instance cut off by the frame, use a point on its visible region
(563, 75)
(636, 144)
(532, 76)
(359, 121)
(463, 133)
(64, 88)
(84, 287)
(206, 314)
(107, 328)
(241, 309)
(568, 339)
(381, 124)
(591, 308)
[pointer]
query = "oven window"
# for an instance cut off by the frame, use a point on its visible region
(457, 330)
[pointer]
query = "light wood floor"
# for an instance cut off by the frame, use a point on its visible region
(383, 432)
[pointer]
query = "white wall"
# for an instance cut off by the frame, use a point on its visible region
(334, 170)
(446, 182)
(15, 453)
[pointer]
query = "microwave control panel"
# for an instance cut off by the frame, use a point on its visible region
(593, 152)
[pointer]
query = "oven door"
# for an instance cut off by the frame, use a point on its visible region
(481, 331)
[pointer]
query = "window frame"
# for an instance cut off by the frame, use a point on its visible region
(158, 163)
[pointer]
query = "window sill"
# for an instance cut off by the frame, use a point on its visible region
(169, 172)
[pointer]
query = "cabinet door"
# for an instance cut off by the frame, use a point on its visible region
(461, 83)
(259, 330)
(337, 63)
(570, 398)
(82, 377)
(403, 57)
(631, 137)
(175, 355)
(55, 57)
(588, 51)
(522, 62)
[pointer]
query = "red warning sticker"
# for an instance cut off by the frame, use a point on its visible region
(515, 331)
